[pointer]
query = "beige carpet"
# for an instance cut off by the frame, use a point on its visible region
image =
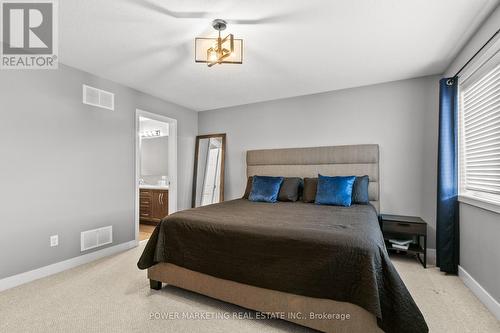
(112, 295)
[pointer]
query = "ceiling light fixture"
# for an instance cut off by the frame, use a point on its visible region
(211, 51)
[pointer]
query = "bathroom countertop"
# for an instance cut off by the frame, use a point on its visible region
(153, 187)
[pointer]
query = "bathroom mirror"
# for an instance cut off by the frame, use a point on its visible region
(208, 179)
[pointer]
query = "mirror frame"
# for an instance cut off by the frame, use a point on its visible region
(195, 171)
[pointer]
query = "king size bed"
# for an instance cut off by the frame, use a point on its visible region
(325, 266)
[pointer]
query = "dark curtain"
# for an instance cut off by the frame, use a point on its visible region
(447, 223)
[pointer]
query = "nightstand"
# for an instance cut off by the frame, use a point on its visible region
(406, 227)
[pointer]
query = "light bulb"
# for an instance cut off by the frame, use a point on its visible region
(212, 57)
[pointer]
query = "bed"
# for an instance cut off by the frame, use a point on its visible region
(324, 267)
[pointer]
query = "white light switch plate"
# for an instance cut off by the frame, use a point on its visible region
(54, 240)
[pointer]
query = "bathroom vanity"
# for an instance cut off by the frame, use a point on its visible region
(153, 204)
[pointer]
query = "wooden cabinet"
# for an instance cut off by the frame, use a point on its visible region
(145, 204)
(153, 205)
(160, 204)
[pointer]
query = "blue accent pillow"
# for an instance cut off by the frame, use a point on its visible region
(360, 190)
(265, 188)
(336, 191)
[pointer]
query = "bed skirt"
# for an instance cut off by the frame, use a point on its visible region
(321, 314)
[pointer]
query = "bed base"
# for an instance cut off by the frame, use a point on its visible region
(269, 301)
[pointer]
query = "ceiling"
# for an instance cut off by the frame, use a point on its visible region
(292, 47)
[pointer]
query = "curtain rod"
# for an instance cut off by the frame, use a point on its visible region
(475, 54)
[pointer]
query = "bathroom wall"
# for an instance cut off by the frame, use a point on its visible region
(154, 159)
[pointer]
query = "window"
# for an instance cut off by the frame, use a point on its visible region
(479, 139)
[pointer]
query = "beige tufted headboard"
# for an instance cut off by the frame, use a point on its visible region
(355, 160)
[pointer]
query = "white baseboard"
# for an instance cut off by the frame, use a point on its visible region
(22, 278)
(480, 292)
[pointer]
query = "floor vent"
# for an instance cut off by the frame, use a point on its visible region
(97, 97)
(97, 237)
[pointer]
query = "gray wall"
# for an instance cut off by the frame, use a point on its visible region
(479, 246)
(479, 229)
(68, 167)
(400, 116)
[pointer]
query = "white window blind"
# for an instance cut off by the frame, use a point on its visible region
(480, 142)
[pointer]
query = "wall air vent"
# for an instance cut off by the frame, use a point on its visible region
(97, 97)
(97, 237)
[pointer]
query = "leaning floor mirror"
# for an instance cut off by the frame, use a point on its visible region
(208, 178)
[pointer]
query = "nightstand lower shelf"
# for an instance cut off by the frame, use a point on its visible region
(414, 249)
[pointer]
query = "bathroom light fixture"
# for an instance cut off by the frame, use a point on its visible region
(211, 51)
(151, 134)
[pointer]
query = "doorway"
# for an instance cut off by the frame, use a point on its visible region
(156, 171)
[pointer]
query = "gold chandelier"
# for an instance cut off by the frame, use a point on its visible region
(211, 51)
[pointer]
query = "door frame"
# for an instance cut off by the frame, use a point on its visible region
(172, 162)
